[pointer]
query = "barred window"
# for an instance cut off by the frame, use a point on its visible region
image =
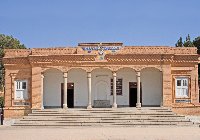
(182, 87)
(21, 90)
(118, 86)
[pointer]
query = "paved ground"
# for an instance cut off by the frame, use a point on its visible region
(101, 133)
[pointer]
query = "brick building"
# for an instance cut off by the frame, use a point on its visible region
(101, 75)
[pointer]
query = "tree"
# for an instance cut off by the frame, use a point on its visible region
(7, 42)
(179, 42)
(188, 42)
(196, 42)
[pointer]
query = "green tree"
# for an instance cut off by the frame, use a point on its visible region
(196, 42)
(7, 42)
(1, 102)
(188, 42)
(179, 42)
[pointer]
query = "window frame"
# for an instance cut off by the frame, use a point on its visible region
(111, 85)
(18, 84)
(182, 87)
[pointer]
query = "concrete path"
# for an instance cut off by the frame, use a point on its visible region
(101, 133)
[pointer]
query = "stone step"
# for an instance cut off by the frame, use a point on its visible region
(103, 117)
(105, 124)
(97, 121)
(103, 109)
(111, 112)
(87, 114)
(92, 110)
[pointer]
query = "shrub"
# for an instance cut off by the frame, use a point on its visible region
(1, 102)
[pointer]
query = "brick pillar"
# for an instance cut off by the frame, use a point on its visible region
(194, 85)
(167, 85)
(36, 88)
(9, 80)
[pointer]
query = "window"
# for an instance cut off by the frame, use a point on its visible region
(118, 86)
(21, 90)
(181, 87)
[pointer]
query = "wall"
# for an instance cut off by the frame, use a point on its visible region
(19, 73)
(101, 78)
(127, 75)
(151, 87)
(52, 87)
(151, 80)
(79, 78)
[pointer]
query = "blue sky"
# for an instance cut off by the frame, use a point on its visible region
(48, 23)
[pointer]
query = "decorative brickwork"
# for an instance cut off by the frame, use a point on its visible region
(31, 63)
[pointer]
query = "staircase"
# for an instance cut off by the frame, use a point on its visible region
(104, 117)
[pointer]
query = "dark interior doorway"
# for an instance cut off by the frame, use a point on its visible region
(133, 94)
(70, 95)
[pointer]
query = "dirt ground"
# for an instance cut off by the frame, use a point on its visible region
(100, 133)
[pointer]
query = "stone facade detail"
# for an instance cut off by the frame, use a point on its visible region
(30, 64)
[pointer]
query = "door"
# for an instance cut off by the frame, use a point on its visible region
(70, 95)
(133, 94)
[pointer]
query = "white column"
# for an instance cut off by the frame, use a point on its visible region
(89, 77)
(161, 104)
(114, 90)
(65, 90)
(138, 104)
(42, 91)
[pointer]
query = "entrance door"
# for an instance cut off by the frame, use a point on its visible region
(70, 95)
(133, 94)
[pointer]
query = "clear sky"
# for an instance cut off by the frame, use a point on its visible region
(47, 23)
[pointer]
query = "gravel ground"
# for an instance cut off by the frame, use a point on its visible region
(100, 133)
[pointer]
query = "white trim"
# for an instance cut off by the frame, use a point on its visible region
(21, 91)
(181, 90)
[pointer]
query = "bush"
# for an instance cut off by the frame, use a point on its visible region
(1, 102)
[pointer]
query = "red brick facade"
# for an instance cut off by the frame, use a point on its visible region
(29, 64)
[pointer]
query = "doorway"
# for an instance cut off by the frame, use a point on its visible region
(133, 94)
(70, 95)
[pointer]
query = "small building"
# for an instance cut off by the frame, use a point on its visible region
(100, 75)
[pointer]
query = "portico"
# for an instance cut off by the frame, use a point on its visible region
(97, 87)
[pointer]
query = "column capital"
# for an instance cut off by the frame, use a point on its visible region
(114, 74)
(89, 75)
(65, 74)
(138, 73)
(42, 75)
(13, 75)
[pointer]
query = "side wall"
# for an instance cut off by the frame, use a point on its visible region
(14, 108)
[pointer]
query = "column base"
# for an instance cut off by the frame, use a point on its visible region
(89, 107)
(161, 104)
(42, 107)
(65, 106)
(114, 105)
(138, 105)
